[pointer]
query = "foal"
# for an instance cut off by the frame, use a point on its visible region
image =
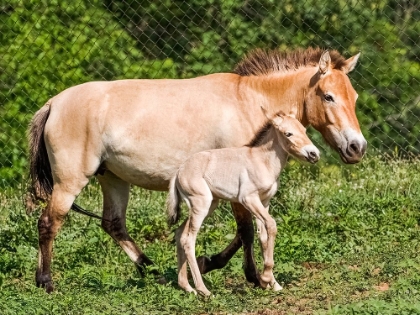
(246, 175)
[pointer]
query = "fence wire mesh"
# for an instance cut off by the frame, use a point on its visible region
(47, 46)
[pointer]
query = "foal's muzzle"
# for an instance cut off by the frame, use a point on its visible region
(311, 153)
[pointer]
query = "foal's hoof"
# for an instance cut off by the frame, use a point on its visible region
(275, 286)
(189, 289)
(206, 294)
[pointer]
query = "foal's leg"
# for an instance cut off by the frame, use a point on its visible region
(181, 255)
(254, 205)
(115, 194)
(62, 197)
(201, 207)
(263, 237)
(244, 236)
(182, 259)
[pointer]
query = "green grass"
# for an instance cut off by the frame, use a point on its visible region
(348, 243)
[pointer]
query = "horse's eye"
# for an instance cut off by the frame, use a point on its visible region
(328, 98)
(288, 134)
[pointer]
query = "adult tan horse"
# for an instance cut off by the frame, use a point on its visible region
(140, 131)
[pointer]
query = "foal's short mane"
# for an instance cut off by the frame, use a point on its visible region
(262, 132)
(263, 62)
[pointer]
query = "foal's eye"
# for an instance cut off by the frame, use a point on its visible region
(328, 98)
(288, 134)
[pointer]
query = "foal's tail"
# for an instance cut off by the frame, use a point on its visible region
(173, 202)
(40, 168)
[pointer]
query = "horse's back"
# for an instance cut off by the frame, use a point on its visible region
(144, 129)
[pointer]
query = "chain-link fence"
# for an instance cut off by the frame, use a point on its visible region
(47, 46)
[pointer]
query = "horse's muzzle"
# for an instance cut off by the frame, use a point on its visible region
(354, 151)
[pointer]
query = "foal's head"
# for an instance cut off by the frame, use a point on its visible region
(293, 138)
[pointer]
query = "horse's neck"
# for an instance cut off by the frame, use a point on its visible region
(280, 91)
(272, 151)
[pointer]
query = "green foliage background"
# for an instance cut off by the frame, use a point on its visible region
(47, 46)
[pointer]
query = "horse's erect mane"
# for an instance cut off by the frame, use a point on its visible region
(260, 135)
(263, 62)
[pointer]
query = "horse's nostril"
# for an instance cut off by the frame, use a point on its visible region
(354, 147)
(313, 156)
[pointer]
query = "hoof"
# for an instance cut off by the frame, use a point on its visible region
(161, 280)
(44, 281)
(189, 289)
(253, 278)
(48, 286)
(192, 291)
(252, 275)
(275, 286)
(206, 294)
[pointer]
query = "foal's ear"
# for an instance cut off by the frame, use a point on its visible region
(350, 63)
(324, 62)
(278, 118)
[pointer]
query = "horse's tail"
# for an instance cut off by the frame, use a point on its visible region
(173, 202)
(39, 164)
(40, 168)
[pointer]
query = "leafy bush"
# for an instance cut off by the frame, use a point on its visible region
(48, 46)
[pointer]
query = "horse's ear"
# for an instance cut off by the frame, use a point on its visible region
(351, 63)
(324, 62)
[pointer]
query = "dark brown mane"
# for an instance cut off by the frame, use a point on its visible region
(260, 135)
(263, 62)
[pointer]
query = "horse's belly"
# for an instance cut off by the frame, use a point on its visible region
(146, 173)
(150, 156)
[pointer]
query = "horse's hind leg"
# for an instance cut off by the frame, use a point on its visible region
(115, 194)
(49, 223)
(244, 237)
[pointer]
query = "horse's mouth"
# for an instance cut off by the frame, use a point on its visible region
(310, 160)
(345, 159)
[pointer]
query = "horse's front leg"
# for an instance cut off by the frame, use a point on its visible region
(245, 237)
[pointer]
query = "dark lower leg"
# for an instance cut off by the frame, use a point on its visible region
(118, 231)
(218, 261)
(244, 236)
(246, 232)
(46, 235)
(141, 264)
(116, 193)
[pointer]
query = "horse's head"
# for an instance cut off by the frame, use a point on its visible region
(294, 139)
(330, 108)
